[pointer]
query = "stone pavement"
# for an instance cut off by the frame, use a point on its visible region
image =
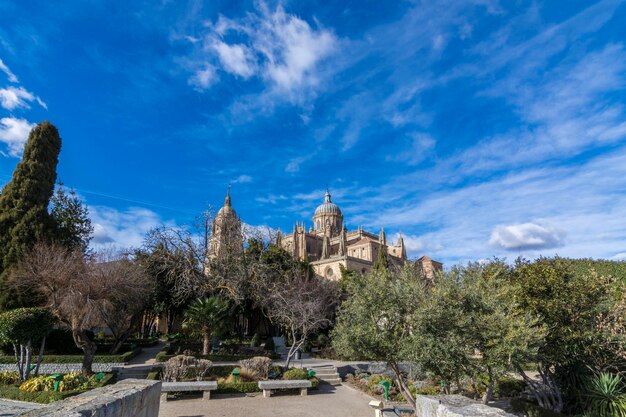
(328, 401)
(139, 366)
(10, 408)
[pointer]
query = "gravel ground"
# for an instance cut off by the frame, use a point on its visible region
(328, 401)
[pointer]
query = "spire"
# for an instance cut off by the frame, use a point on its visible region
(382, 239)
(342, 243)
(402, 247)
(227, 199)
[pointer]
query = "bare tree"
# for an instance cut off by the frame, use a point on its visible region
(126, 287)
(62, 278)
(299, 303)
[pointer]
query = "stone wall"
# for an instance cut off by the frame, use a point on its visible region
(454, 406)
(127, 398)
(64, 368)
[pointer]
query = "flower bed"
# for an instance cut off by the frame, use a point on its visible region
(41, 389)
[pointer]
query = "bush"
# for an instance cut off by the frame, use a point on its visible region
(507, 387)
(125, 357)
(374, 380)
(296, 373)
(71, 381)
(9, 377)
(531, 410)
(238, 388)
(260, 365)
(426, 390)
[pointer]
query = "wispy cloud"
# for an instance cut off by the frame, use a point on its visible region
(270, 44)
(242, 179)
(14, 133)
(15, 97)
(122, 228)
(12, 78)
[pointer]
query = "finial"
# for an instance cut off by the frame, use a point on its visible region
(327, 196)
(227, 199)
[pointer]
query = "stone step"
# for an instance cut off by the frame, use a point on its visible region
(334, 381)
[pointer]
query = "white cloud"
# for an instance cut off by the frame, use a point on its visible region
(13, 97)
(204, 77)
(276, 46)
(526, 236)
(14, 133)
(271, 199)
(619, 257)
(121, 229)
(12, 78)
(235, 59)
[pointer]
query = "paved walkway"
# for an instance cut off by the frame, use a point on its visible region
(10, 408)
(140, 365)
(328, 401)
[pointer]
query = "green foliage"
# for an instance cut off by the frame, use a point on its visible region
(24, 218)
(426, 390)
(255, 340)
(382, 261)
(71, 218)
(374, 380)
(22, 325)
(296, 373)
(207, 316)
(125, 357)
(606, 396)
(531, 410)
(508, 387)
(238, 388)
(9, 377)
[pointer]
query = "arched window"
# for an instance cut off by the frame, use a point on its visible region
(319, 225)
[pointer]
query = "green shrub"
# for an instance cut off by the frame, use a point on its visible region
(154, 375)
(507, 387)
(9, 377)
(296, 373)
(606, 396)
(238, 388)
(426, 390)
(377, 379)
(125, 357)
(531, 410)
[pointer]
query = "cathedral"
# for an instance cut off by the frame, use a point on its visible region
(327, 245)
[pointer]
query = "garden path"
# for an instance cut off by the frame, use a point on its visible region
(139, 366)
(10, 408)
(328, 401)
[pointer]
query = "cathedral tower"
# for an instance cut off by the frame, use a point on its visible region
(328, 219)
(226, 236)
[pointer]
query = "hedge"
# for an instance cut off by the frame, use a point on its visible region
(163, 357)
(124, 357)
(238, 388)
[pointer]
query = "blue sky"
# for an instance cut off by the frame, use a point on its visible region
(474, 128)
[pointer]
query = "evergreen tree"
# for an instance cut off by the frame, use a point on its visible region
(24, 217)
(382, 262)
(71, 218)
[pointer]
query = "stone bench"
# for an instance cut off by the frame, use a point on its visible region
(268, 386)
(205, 386)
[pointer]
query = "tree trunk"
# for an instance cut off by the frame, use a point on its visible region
(206, 342)
(547, 394)
(40, 356)
(88, 347)
(28, 357)
(489, 392)
(404, 389)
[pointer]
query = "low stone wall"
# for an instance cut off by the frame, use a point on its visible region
(454, 406)
(64, 368)
(127, 398)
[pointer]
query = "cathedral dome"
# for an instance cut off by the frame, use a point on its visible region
(327, 207)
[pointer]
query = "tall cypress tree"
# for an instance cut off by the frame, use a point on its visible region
(24, 218)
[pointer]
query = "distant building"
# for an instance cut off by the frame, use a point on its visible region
(226, 234)
(328, 245)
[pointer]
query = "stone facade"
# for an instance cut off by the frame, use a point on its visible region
(226, 234)
(329, 246)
